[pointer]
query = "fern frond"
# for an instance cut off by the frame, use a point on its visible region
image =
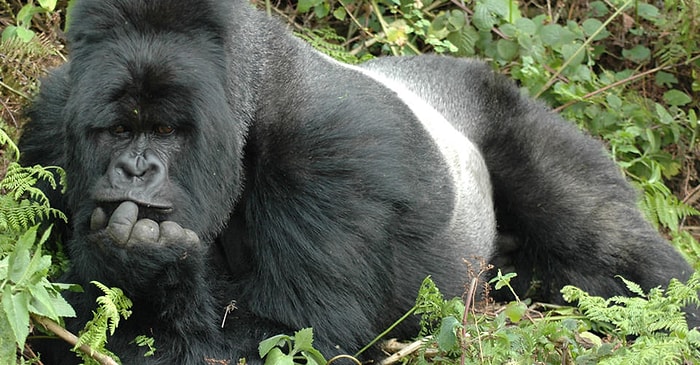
(21, 215)
(664, 209)
(23, 204)
(112, 307)
(9, 145)
(326, 40)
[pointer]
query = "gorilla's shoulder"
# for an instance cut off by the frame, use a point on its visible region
(38, 142)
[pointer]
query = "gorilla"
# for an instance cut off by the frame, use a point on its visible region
(213, 157)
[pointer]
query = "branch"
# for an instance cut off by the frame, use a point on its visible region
(67, 336)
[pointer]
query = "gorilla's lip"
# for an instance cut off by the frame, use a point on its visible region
(150, 204)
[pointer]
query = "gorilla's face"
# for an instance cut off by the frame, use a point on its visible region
(148, 122)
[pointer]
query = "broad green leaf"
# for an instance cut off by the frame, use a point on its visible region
(637, 54)
(464, 40)
(664, 116)
(677, 97)
(647, 11)
(509, 30)
(447, 336)
(49, 5)
(19, 258)
(25, 15)
(457, 20)
(9, 32)
(507, 50)
(590, 26)
(8, 345)
(598, 9)
(506, 9)
(526, 26)
(663, 78)
(41, 302)
(322, 9)
(339, 13)
(482, 18)
(305, 5)
(614, 102)
(515, 311)
(267, 345)
(314, 357)
(573, 51)
(550, 34)
(303, 339)
(277, 357)
(16, 310)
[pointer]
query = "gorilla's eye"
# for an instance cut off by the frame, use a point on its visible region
(119, 130)
(164, 129)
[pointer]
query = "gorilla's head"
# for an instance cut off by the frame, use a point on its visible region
(149, 119)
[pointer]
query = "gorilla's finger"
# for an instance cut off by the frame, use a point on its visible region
(171, 232)
(98, 220)
(191, 238)
(122, 221)
(145, 231)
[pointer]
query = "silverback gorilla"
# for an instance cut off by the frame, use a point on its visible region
(212, 157)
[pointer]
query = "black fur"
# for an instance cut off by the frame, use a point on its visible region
(304, 190)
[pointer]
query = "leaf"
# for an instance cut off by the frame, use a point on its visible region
(457, 20)
(267, 345)
(314, 356)
(42, 302)
(551, 34)
(15, 308)
(303, 340)
(277, 357)
(662, 78)
(8, 345)
(339, 13)
(482, 18)
(25, 15)
(305, 5)
(49, 5)
(507, 50)
(633, 287)
(591, 26)
(506, 9)
(19, 258)
(447, 336)
(647, 11)
(515, 311)
(526, 26)
(614, 102)
(664, 116)
(8, 33)
(637, 54)
(677, 97)
(573, 52)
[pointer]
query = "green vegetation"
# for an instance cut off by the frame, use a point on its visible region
(626, 71)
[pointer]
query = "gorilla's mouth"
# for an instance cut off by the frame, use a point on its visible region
(155, 209)
(158, 213)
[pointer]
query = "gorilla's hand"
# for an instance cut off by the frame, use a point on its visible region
(156, 255)
(126, 229)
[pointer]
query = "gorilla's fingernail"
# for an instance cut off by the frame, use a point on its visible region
(98, 220)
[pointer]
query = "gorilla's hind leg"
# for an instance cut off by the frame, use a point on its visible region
(573, 215)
